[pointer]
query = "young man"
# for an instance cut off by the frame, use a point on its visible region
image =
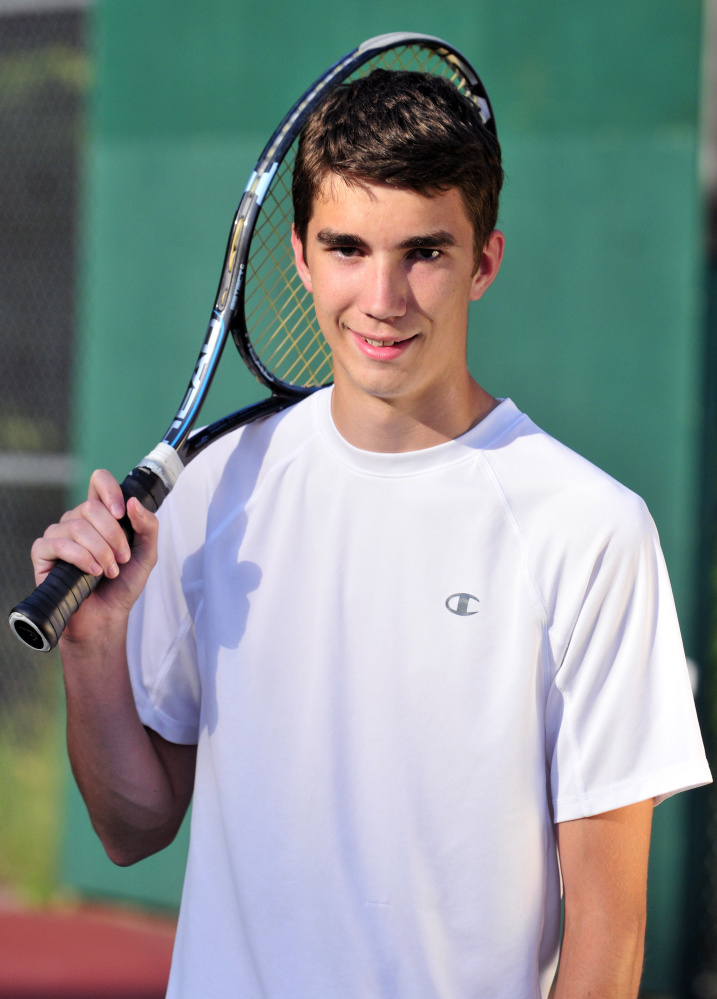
(407, 642)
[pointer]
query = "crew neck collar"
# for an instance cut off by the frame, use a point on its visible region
(490, 428)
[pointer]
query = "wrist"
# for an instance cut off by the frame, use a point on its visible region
(82, 642)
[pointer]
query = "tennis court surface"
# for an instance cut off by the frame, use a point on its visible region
(83, 952)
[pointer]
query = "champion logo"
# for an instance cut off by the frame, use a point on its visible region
(462, 604)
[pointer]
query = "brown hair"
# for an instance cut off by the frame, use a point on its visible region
(412, 130)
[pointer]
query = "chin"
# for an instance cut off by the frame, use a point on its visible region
(385, 393)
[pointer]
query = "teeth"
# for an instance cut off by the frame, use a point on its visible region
(380, 343)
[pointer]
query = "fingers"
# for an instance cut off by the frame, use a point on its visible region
(89, 536)
(47, 550)
(105, 488)
(92, 525)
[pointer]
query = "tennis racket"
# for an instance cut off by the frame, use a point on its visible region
(264, 306)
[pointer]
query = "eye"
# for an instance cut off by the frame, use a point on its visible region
(346, 252)
(426, 253)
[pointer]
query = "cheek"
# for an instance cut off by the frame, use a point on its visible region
(332, 294)
(438, 292)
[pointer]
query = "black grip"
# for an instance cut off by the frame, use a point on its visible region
(42, 617)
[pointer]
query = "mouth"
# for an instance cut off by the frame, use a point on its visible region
(378, 349)
(381, 343)
(376, 342)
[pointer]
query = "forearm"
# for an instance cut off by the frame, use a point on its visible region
(133, 804)
(603, 859)
(601, 957)
(136, 785)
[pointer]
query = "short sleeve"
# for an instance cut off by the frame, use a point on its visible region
(161, 644)
(621, 722)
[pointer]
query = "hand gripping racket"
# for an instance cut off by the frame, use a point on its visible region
(261, 302)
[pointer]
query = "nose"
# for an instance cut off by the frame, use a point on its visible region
(384, 291)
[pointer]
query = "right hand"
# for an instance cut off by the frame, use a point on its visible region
(90, 537)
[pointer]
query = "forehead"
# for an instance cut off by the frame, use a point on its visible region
(379, 206)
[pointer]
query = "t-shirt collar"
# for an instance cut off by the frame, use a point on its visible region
(492, 427)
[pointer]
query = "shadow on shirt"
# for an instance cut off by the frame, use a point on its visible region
(215, 572)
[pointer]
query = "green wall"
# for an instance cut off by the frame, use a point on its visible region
(594, 326)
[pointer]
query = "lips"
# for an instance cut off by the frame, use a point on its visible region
(381, 350)
(380, 343)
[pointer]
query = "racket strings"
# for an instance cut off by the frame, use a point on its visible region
(279, 312)
(415, 58)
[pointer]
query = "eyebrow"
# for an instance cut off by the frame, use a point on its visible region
(331, 237)
(429, 240)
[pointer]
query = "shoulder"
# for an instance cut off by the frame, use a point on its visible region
(226, 474)
(550, 488)
(580, 529)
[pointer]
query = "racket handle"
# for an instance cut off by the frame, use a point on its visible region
(42, 617)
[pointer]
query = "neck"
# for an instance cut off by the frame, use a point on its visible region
(393, 426)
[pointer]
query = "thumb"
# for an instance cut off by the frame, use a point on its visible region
(145, 526)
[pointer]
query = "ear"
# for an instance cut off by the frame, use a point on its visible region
(301, 266)
(489, 264)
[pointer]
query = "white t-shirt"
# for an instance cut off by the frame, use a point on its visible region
(401, 669)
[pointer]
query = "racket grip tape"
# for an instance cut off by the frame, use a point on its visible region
(39, 620)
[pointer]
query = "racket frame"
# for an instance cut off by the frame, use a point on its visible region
(228, 313)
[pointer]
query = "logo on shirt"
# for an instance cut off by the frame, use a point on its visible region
(462, 604)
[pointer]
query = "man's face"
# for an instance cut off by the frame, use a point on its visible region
(392, 273)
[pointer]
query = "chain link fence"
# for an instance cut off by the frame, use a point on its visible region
(44, 80)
